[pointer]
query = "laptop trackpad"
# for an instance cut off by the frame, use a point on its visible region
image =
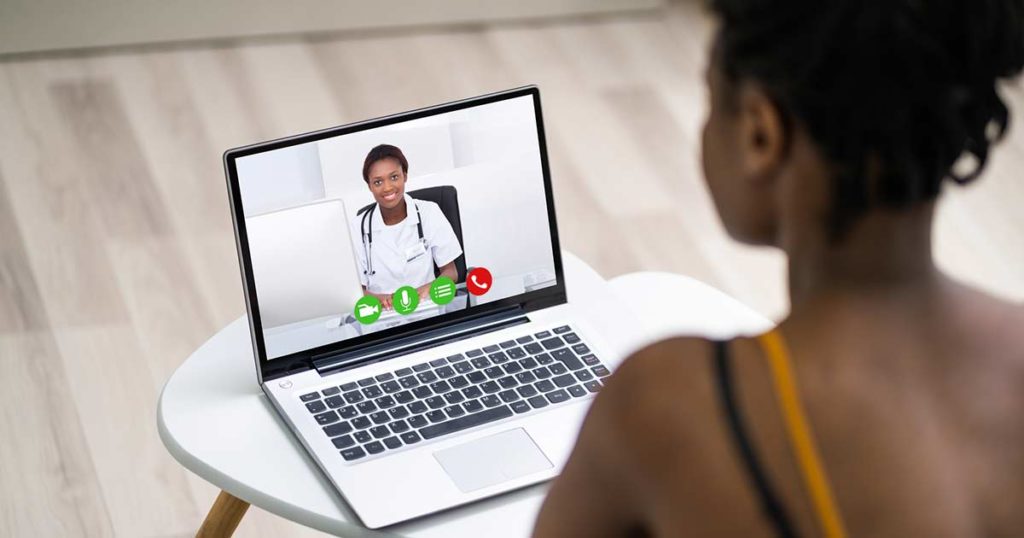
(492, 460)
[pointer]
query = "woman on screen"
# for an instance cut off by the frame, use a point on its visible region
(403, 240)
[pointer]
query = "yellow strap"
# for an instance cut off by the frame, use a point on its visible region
(800, 439)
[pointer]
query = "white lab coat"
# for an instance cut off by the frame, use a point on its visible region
(397, 255)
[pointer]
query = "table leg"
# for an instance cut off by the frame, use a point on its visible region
(224, 516)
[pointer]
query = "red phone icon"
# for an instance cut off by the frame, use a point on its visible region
(479, 281)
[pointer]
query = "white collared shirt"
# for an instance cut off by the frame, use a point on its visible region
(399, 258)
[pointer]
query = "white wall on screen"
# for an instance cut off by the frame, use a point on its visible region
(279, 179)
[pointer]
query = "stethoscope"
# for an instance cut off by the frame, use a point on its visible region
(367, 233)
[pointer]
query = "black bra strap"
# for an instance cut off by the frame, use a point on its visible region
(770, 504)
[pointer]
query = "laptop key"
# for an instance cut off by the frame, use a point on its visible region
(516, 353)
(398, 412)
(361, 423)
(384, 377)
(331, 391)
(558, 368)
(408, 382)
(335, 402)
(520, 407)
(316, 406)
(440, 387)
(392, 443)
(544, 358)
(344, 441)
(491, 349)
(590, 360)
(472, 406)
(466, 422)
(438, 362)
(490, 387)
(534, 348)
(422, 367)
(463, 367)
(453, 397)
(380, 432)
(544, 385)
(426, 377)
(435, 402)
(402, 372)
(498, 358)
(525, 377)
(366, 382)
(399, 426)
(372, 392)
(310, 397)
(454, 358)
(600, 371)
(507, 382)
(340, 428)
(458, 382)
(538, 401)
(507, 344)
(385, 402)
(474, 353)
(528, 364)
(480, 363)
(512, 368)
(527, 391)
(543, 334)
(581, 349)
(422, 391)
(329, 417)
(417, 407)
(490, 401)
(454, 411)
(557, 396)
(353, 453)
(571, 338)
(374, 447)
(348, 412)
(472, 392)
(508, 396)
(564, 380)
(404, 397)
(417, 421)
(391, 387)
(552, 343)
(366, 407)
(362, 436)
(524, 339)
(562, 330)
(567, 358)
(445, 372)
(577, 391)
(436, 416)
(493, 372)
(380, 417)
(411, 437)
(542, 373)
(476, 377)
(593, 386)
(584, 375)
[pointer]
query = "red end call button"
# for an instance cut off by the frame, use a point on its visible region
(479, 281)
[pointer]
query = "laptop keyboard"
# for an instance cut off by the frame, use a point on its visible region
(451, 394)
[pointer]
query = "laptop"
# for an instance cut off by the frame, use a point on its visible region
(475, 394)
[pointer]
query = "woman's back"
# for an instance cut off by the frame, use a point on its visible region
(832, 129)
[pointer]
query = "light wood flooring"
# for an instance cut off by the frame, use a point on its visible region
(117, 258)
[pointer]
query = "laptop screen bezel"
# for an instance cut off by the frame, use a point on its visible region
(268, 369)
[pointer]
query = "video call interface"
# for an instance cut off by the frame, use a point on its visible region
(371, 230)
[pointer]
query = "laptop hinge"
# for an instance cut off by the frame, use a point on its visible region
(336, 362)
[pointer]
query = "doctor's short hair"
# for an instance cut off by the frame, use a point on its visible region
(381, 152)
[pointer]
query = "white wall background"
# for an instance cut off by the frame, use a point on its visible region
(279, 179)
(490, 154)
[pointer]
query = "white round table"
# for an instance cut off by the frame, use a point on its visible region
(215, 421)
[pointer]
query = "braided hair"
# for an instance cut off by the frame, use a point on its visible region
(899, 95)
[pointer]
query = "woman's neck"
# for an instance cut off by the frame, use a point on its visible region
(395, 215)
(884, 254)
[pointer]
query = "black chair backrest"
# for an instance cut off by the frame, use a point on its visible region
(447, 198)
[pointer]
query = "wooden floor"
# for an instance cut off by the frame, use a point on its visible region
(117, 257)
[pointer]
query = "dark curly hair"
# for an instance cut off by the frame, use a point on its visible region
(899, 95)
(381, 152)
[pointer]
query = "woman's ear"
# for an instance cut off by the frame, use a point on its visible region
(762, 134)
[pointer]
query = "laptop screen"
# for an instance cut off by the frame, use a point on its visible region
(400, 223)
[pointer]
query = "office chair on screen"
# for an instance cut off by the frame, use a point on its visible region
(447, 198)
